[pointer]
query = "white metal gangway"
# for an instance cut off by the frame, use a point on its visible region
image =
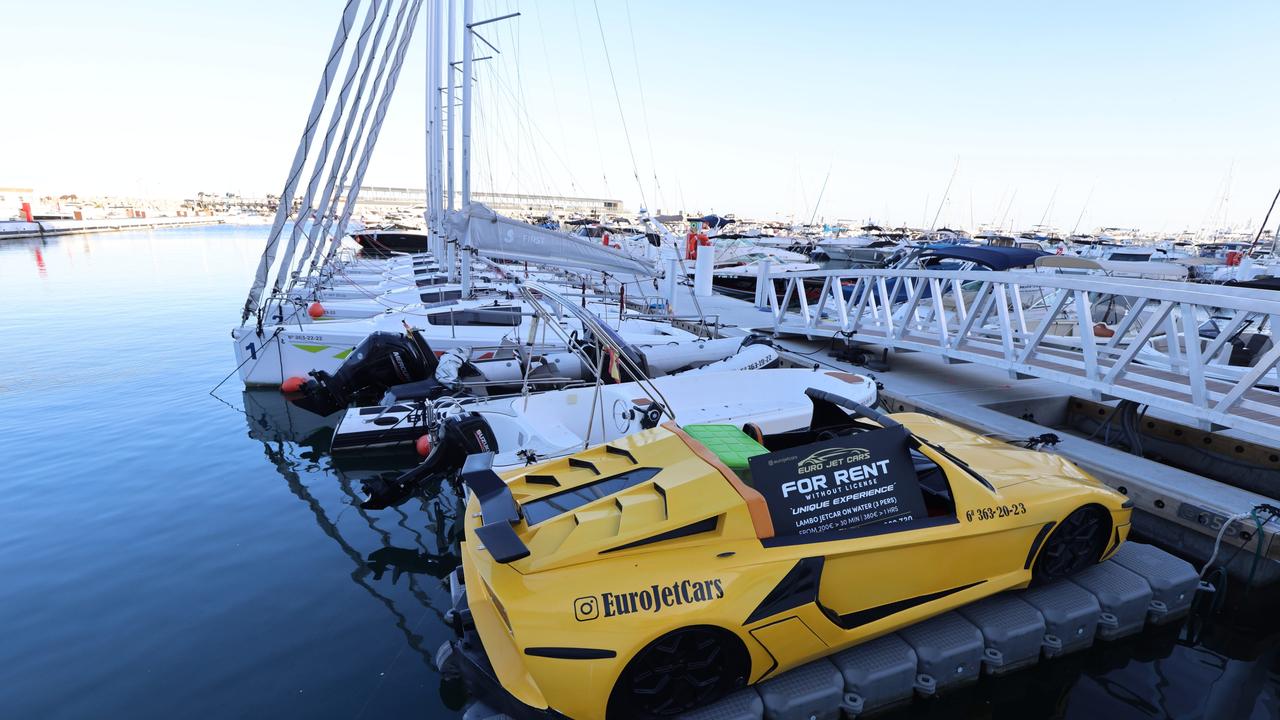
(1152, 349)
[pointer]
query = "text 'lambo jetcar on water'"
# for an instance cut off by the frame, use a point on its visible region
(662, 570)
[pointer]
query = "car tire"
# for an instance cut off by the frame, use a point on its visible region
(1075, 544)
(680, 671)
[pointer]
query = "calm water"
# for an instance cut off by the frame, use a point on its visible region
(166, 553)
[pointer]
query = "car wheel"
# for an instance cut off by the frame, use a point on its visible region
(1074, 545)
(682, 670)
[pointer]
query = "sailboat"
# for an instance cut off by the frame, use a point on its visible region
(576, 367)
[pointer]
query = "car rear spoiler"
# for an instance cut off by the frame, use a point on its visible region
(498, 509)
(857, 408)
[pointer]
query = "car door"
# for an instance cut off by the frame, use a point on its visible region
(897, 569)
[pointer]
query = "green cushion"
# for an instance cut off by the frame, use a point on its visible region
(729, 443)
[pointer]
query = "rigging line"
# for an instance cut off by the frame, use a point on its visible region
(512, 156)
(804, 195)
(214, 390)
(821, 192)
(644, 106)
(493, 121)
(526, 153)
(482, 119)
(542, 181)
(530, 126)
(1210, 212)
(1264, 221)
(519, 85)
(635, 170)
(1082, 208)
(999, 204)
(945, 193)
(523, 122)
(555, 100)
(481, 150)
(533, 125)
(1007, 208)
(591, 109)
(1049, 207)
(548, 181)
(1224, 206)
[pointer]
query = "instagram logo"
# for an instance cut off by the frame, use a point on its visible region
(586, 608)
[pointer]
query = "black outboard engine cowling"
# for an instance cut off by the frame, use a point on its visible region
(456, 437)
(383, 359)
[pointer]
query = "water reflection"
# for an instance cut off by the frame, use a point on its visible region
(296, 442)
(1214, 665)
(412, 561)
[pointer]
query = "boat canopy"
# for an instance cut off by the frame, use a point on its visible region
(994, 258)
(1130, 268)
(713, 221)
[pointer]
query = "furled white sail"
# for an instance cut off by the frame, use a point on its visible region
(285, 204)
(497, 236)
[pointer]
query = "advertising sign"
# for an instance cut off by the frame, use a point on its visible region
(839, 484)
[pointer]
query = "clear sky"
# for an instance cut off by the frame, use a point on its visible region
(1161, 115)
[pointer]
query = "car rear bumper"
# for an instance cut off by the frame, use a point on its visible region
(483, 681)
(495, 660)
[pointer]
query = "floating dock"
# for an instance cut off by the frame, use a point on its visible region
(1140, 587)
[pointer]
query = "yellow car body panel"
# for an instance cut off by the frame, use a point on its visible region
(608, 577)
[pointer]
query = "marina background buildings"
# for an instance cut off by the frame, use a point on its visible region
(1142, 114)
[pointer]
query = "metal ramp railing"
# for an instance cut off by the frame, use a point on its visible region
(1164, 344)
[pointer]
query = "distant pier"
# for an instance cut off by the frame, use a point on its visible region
(17, 229)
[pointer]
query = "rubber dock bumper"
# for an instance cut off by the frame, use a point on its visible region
(1141, 586)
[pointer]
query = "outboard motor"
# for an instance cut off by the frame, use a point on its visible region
(453, 440)
(383, 359)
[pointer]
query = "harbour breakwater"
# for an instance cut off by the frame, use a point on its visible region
(15, 229)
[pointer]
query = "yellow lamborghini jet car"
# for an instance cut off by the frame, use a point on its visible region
(658, 572)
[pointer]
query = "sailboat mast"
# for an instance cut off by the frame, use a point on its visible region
(450, 74)
(437, 137)
(468, 50)
(429, 212)
(1082, 209)
(1047, 208)
(945, 193)
(1266, 218)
